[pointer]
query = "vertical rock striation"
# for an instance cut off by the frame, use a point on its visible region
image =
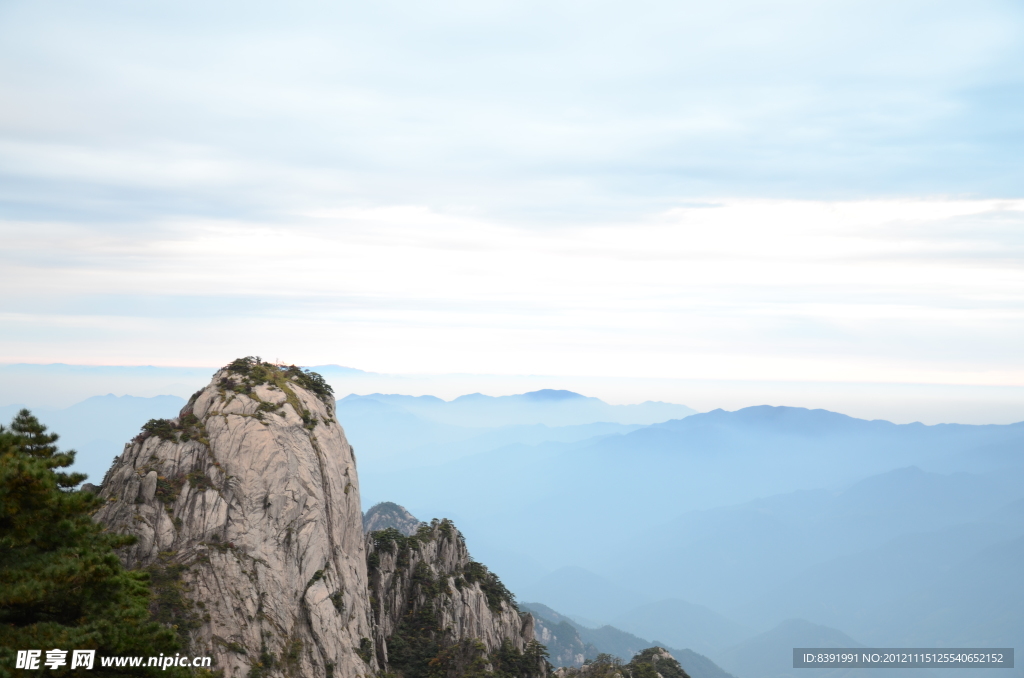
(246, 509)
(438, 612)
(247, 513)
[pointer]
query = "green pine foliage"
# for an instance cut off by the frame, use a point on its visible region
(420, 647)
(654, 661)
(650, 663)
(253, 371)
(603, 666)
(465, 659)
(61, 584)
(532, 662)
(416, 642)
(491, 585)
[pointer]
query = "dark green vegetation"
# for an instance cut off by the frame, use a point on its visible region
(392, 540)
(244, 374)
(648, 663)
(170, 605)
(188, 428)
(469, 659)
(416, 642)
(252, 371)
(420, 646)
(61, 584)
(492, 587)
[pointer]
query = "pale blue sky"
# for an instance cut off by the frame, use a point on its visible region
(808, 190)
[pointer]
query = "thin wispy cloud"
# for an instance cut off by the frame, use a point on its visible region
(536, 110)
(867, 290)
(728, 190)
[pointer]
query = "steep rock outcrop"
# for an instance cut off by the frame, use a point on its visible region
(563, 641)
(247, 513)
(435, 606)
(389, 514)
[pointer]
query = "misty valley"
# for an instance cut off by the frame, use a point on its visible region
(554, 520)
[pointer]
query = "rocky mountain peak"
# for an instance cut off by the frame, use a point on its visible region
(247, 515)
(246, 508)
(389, 514)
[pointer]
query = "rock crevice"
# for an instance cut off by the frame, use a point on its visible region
(246, 509)
(247, 515)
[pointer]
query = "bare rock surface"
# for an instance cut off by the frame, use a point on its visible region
(426, 588)
(389, 514)
(247, 512)
(247, 515)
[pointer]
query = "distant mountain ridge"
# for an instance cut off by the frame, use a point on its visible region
(769, 654)
(568, 635)
(403, 431)
(760, 514)
(795, 532)
(664, 470)
(549, 407)
(682, 624)
(551, 394)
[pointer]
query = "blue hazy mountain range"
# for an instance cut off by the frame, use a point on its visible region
(708, 532)
(616, 485)
(906, 558)
(770, 654)
(549, 407)
(399, 431)
(611, 640)
(697, 530)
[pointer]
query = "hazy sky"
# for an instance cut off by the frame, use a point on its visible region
(731, 190)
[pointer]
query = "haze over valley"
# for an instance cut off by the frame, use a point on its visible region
(722, 533)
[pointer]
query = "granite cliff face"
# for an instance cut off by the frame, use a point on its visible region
(247, 513)
(432, 603)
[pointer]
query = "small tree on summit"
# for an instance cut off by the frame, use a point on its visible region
(61, 584)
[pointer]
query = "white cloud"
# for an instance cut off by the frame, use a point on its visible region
(539, 111)
(870, 290)
(510, 187)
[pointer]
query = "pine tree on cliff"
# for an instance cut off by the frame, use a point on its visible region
(61, 584)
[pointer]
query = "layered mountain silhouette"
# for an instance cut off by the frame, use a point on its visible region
(548, 407)
(707, 531)
(567, 635)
